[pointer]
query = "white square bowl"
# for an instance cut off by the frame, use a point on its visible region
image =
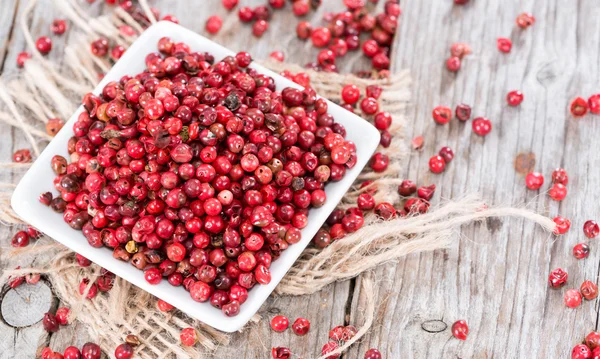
(39, 179)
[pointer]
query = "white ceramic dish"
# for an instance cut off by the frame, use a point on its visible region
(39, 179)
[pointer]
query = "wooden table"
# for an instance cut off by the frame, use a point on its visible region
(495, 275)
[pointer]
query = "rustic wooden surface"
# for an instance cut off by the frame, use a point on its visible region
(495, 276)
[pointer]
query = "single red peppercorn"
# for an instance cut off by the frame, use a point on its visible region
(277, 56)
(559, 175)
(281, 353)
(557, 278)
(260, 27)
(558, 192)
(581, 351)
(62, 316)
(591, 229)
(153, 276)
(50, 323)
(229, 4)
(20, 239)
(301, 326)
(514, 98)
(407, 188)
(246, 14)
(525, 20)
(504, 44)
(534, 180)
(91, 351)
(482, 126)
(572, 298)
(328, 348)
(372, 354)
(280, 323)
(446, 153)
(463, 112)
(58, 27)
(594, 104)
(71, 353)
(453, 64)
(437, 164)
(43, 44)
(124, 351)
(188, 336)
(365, 202)
(369, 106)
(320, 36)
(350, 94)
(213, 24)
(589, 290)
(164, 306)
(562, 225)
(581, 250)
(460, 329)
(579, 107)
(22, 57)
(442, 115)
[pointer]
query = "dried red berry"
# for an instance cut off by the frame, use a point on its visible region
(213, 24)
(22, 57)
(279, 323)
(426, 192)
(581, 250)
(562, 225)
(229, 4)
(559, 175)
(407, 188)
(58, 27)
(579, 107)
(482, 126)
(91, 351)
(20, 239)
(350, 94)
(525, 20)
(124, 351)
(514, 98)
(558, 192)
(437, 164)
(557, 278)
(50, 323)
(447, 154)
(463, 112)
(581, 351)
(460, 329)
(43, 44)
(301, 326)
(594, 104)
(188, 336)
(572, 298)
(328, 348)
(62, 315)
(589, 290)
(591, 229)
(372, 354)
(534, 180)
(442, 115)
(453, 64)
(281, 353)
(504, 44)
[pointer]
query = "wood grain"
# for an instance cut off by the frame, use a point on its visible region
(495, 276)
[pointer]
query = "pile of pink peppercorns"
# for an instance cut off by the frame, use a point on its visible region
(342, 33)
(198, 171)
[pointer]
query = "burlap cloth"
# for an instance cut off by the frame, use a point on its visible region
(128, 310)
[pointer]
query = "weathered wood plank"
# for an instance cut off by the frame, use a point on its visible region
(495, 277)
